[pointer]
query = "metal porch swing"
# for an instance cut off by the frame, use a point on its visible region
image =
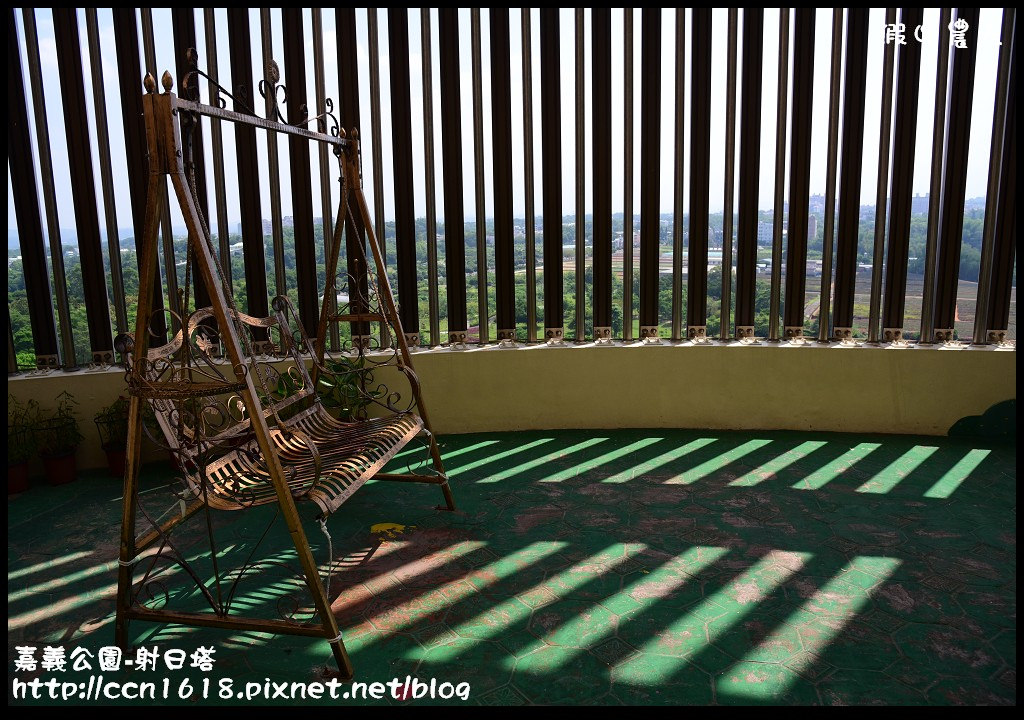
(238, 401)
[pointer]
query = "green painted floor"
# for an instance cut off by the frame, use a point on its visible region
(596, 567)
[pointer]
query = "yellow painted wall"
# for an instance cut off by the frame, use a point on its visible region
(771, 386)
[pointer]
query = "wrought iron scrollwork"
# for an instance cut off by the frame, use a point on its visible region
(270, 88)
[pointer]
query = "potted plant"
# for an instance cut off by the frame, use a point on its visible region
(112, 425)
(59, 438)
(340, 389)
(22, 441)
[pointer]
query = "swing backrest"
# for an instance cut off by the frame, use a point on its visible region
(206, 402)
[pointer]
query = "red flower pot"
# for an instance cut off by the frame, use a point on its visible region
(17, 478)
(60, 470)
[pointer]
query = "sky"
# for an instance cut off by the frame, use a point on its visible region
(986, 36)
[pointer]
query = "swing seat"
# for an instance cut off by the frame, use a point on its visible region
(326, 459)
(350, 454)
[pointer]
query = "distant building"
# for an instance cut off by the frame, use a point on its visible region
(919, 205)
(812, 229)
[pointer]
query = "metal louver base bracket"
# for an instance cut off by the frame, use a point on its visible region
(649, 335)
(698, 334)
(554, 336)
(795, 335)
(47, 362)
(844, 335)
(507, 338)
(999, 339)
(745, 334)
(103, 358)
(894, 336)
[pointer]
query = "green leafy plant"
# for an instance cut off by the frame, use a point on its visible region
(59, 433)
(341, 388)
(112, 424)
(22, 430)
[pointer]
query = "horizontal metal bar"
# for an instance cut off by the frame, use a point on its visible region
(226, 622)
(411, 477)
(357, 317)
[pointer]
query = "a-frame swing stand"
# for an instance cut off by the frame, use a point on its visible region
(306, 443)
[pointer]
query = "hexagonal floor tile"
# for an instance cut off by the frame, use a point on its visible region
(485, 617)
(848, 645)
(659, 634)
(993, 607)
(416, 611)
(865, 687)
(751, 683)
(587, 582)
(947, 650)
(650, 680)
(971, 692)
(916, 602)
(573, 624)
(758, 638)
(459, 660)
(555, 675)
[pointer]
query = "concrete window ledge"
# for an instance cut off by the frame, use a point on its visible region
(771, 386)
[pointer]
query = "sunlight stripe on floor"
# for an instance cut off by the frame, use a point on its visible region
(648, 590)
(492, 458)
(62, 582)
(887, 479)
(457, 590)
(514, 610)
(954, 477)
(597, 462)
(717, 463)
(780, 462)
(665, 458)
(827, 473)
(47, 612)
(542, 460)
(46, 565)
(748, 589)
(836, 589)
(414, 568)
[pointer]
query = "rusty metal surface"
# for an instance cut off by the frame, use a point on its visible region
(254, 430)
